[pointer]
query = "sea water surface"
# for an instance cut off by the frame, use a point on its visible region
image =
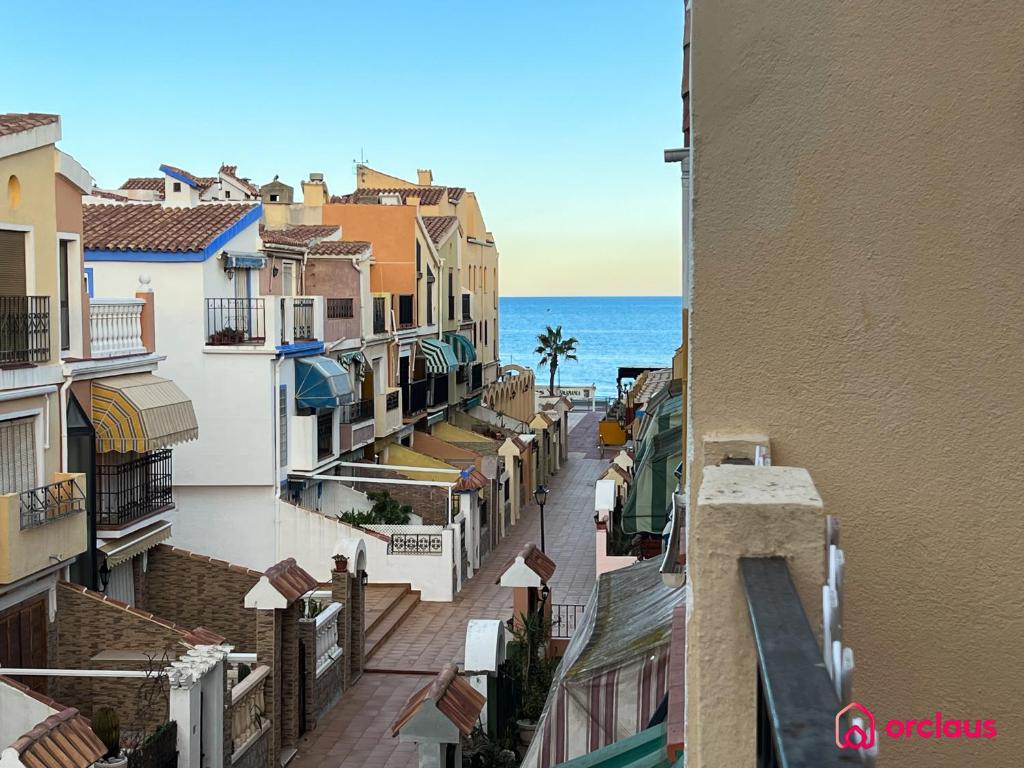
(612, 331)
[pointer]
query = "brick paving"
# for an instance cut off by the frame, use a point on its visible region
(355, 732)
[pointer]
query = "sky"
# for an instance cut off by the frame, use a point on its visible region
(555, 113)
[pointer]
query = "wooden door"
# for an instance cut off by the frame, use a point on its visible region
(23, 639)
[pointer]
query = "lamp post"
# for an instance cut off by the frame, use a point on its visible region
(541, 496)
(104, 576)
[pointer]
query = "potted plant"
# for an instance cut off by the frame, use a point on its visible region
(107, 726)
(534, 672)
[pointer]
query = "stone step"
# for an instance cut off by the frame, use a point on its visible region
(383, 629)
(381, 599)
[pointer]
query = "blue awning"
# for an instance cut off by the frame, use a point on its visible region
(440, 356)
(239, 260)
(321, 383)
(463, 347)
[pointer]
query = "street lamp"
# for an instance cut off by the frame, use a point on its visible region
(104, 575)
(541, 496)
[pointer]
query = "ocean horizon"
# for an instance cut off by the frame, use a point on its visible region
(613, 331)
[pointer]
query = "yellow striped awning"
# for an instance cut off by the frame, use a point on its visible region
(140, 412)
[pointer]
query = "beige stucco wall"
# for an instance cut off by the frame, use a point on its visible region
(857, 246)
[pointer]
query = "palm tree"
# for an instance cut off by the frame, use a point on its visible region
(552, 348)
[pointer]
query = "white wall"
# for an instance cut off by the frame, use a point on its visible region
(19, 714)
(236, 524)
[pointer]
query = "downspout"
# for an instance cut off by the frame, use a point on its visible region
(64, 423)
(275, 421)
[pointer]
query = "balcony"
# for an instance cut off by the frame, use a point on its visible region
(357, 427)
(361, 410)
(387, 408)
(302, 319)
(40, 522)
(132, 487)
(414, 396)
(380, 311)
(467, 301)
(312, 441)
(233, 322)
(438, 390)
(24, 329)
(115, 327)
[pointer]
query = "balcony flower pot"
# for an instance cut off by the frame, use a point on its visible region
(112, 762)
(527, 728)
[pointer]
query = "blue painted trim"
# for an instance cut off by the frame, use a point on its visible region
(90, 281)
(175, 175)
(302, 349)
(215, 245)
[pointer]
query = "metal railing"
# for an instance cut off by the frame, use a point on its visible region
(115, 327)
(414, 396)
(439, 389)
(235, 321)
(414, 544)
(127, 491)
(340, 309)
(406, 316)
(391, 401)
(462, 374)
(357, 411)
(47, 503)
(324, 435)
(797, 701)
(379, 314)
(302, 319)
(24, 329)
(477, 376)
(466, 302)
(565, 618)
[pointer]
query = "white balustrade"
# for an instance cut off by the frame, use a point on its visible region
(248, 711)
(115, 327)
(327, 649)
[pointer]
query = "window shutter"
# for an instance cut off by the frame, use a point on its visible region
(12, 263)
(18, 447)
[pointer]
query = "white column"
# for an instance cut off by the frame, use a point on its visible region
(212, 687)
(185, 710)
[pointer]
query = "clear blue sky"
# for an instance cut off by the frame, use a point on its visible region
(555, 113)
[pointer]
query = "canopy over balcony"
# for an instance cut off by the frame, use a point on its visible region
(356, 362)
(439, 356)
(321, 382)
(141, 412)
(463, 347)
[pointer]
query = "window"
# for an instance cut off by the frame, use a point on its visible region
(275, 198)
(18, 447)
(485, 331)
(176, 186)
(282, 422)
(227, 193)
(339, 308)
(430, 297)
(419, 266)
(451, 295)
(405, 311)
(65, 311)
(287, 278)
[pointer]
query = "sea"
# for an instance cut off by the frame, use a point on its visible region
(612, 331)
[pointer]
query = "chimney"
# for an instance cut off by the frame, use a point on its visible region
(425, 177)
(314, 191)
(413, 200)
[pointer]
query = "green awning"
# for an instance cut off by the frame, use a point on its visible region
(439, 355)
(356, 362)
(435, 418)
(464, 349)
(647, 749)
(321, 383)
(650, 497)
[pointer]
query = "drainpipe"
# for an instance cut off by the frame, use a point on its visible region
(275, 421)
(64, 423)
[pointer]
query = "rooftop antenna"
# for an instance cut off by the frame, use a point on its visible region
(363, 160)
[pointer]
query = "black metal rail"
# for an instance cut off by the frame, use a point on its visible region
(47, 503)
(24, 329)
(235, 321)
(565, 618)
(302, 319)
(129, 490)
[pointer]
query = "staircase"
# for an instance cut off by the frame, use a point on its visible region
(387, 605)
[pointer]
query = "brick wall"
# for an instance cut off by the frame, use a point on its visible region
(289, 675)
(322, 692)
(197, 591)
(268, 650)
(86, 625)
(428, 502)
(341, 592)
(358, 627)
(258, 755)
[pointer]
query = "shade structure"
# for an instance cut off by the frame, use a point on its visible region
(140, 412)
(659, 453)
(647, 749)
(125, 548)
(321, 382)
(439, 356)
(356, 362)
(464, 350)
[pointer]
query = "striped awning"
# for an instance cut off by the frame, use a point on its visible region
(125, 548)
(321, 383)
(356, 362)
(140, 412)
(439, 355)
(464, 350)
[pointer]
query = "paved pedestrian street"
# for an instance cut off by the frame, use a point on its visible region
(355, 733)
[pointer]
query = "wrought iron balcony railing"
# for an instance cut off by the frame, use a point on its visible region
(24, 329)
(324, 435)
(392, 400)
(235, 321)
(127, 491)
(47, 503)
(414, 544)
(302, 319)
(564, 619)
(357, 411)
(415, 396)
(439, 389)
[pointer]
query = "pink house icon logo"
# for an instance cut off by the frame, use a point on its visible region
(856, 735)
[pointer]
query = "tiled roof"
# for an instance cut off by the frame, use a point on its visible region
(154, 227)
(535, 560)
(288, 578)
(204, 636)
(63, 740)
(202, 182)
(232, 171)
(151, 183)
(471, 479)
(16, 122)
(438, 227)
(339, 248)
(298, 235)
(427, 195)
(453, 696)
(212, 561)
(109, 195)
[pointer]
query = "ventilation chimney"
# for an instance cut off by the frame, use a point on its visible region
(425, 177)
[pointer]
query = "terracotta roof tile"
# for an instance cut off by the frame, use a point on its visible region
(151, 183)
(438, 227)
(288, 578)
(51, 703)
(154, 227)
(202, 182)
(212, 561)
(471, 479)
(427, 195)
(204, 636)
(63, 740)
(109, 195)
(232, 172)
(299, 235)
(453, 696)
(339, 248)
(17, 122)
(99, 597)
(534, 559)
